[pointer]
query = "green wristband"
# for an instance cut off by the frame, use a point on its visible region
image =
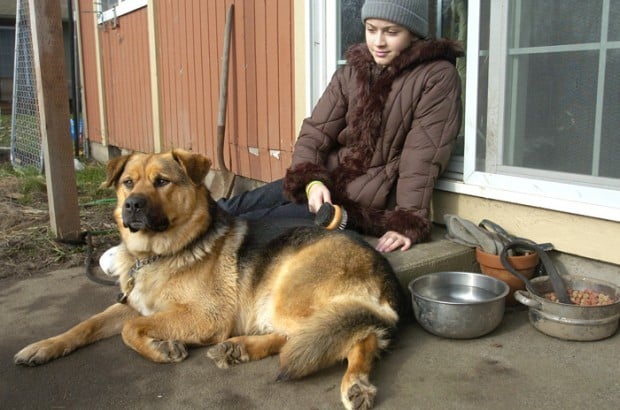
(310, 185)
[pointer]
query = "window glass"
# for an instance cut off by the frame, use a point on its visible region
(452, 24)
(550, 111)
(483, 84)
(536, 23)
(351, 27)
(614, 18)
(610, 140)
(561, 92)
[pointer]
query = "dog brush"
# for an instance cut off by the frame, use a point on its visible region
(331, 216)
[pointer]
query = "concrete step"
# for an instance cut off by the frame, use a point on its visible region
(437, 255)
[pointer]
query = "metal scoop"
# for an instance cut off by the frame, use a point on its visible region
(559, 287)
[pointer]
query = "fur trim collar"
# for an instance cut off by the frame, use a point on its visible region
(420, 52)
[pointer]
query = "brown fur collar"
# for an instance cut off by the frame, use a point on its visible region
(420, 52)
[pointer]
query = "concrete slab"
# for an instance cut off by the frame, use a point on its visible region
(513, 367)
(437, 255)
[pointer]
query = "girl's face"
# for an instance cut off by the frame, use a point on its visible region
(386, 40)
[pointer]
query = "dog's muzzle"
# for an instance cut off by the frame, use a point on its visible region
(139, 214)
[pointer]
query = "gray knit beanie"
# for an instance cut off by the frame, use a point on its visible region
(411, 14)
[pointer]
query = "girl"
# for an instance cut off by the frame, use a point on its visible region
(379, 136)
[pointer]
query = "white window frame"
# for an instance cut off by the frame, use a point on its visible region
(322, 59)
(527, 188)
(121, 7)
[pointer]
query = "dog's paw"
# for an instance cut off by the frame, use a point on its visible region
(39, 353)
(171, 351)
(360, 396)
(226, 353)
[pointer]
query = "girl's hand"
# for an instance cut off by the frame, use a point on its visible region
(318, 195)
(392, 240)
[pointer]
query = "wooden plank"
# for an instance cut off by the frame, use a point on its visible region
(190, 134)
(198, 132)
(174, 58)
(163, 11)
(261, 68)
(184, 108)
(273, 74)
(250, 137)
(48, 51)
(285, 57)
(216, 16)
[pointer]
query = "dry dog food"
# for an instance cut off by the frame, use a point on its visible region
(584, 297)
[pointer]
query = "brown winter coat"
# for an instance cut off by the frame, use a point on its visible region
(379, 138)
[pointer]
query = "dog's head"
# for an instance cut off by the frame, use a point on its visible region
(162, 199)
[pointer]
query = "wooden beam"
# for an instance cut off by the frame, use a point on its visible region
(49, 66)
(154, 68)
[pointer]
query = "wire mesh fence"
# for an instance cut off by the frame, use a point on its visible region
(26, 128)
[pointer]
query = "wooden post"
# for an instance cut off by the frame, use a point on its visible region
(49, 66)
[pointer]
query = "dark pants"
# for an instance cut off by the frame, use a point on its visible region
(265, 202)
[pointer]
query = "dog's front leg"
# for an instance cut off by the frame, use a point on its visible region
(100, 326)
(162, 337)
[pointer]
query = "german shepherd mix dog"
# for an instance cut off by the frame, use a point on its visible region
(191, 275)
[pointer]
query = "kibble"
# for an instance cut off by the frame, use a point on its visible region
(586, 297)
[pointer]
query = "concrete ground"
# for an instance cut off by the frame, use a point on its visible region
(514, 367)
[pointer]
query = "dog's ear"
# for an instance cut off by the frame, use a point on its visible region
(114, 169)
(196, 166)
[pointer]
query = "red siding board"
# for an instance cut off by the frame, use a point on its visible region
(190, 36)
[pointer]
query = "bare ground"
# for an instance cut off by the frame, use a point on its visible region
(27, 246)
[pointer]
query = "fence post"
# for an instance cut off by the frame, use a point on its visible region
(49, 65)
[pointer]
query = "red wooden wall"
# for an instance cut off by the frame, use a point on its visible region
(260, 129)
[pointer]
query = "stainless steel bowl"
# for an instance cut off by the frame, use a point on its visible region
(458, 305)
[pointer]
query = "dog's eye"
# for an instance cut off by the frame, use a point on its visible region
(160, 182)
(128, 183)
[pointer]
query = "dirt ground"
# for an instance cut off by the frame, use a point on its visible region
(27, 246)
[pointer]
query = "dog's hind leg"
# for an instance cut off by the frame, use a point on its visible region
(243, 349)
(356, 391)
(100, 326)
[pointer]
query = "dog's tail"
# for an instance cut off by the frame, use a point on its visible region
(328, 335)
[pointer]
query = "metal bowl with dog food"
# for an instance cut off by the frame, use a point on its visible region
(597, 318)
(458, 305)
(565, 306)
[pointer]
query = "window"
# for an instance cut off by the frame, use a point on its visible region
(111, 9)
(542, 101)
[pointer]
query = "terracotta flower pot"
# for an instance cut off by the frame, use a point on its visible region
(492, 266)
